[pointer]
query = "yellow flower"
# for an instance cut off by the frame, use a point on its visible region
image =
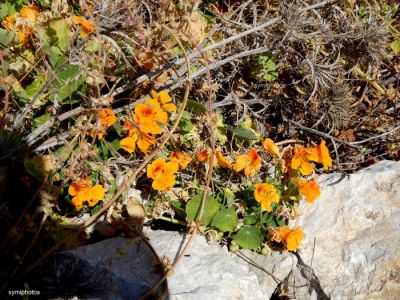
(265, 194)
(300, 160)
(271, 147)
(83, 191)
(164, 100)
(29, 13)
(162, 173)
(222, 161)
(291, 237)
(183, 159)
(310, 190)
(320, 155)
(86, 27)
(250, 162)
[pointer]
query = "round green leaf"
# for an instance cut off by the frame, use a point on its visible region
(248, 237)
(225, 220)
(193, 208)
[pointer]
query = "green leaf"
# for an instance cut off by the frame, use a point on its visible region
(178, 208)
(196, 107)
(266, 66)
(211, 207)
(95, 209)
(243, 133)
(68, 81)
(55, 33)
(3, 12)
(104, 150)
(115, 144)
(41, 119)
(248, 237)
(395, 45)
(250, 220)
(185, 124)
(6, 37)
(225, 220)
(55, 55)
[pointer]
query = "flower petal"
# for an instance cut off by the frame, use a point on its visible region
(128, 144)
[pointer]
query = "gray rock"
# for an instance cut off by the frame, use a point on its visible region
(352, 235)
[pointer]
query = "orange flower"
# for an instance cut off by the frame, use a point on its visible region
(83, 191)
(320, 155)
(291, 237)
(300, 161)
(203, 155)
(136, 137)
(86, 27)
(29, 13)
(222, 161)
(265, 194)
(271, 147)
(183, 159)
(164, 100)
(107, 117)
(162, 173)
(250, 162)
(310, 190)
(148, 118)
(8, 22)
(24, 33)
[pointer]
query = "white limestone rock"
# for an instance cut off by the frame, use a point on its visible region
(352, 234)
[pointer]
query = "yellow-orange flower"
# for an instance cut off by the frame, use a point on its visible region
(203, 155)
(300, 160)
(164, 100)
(222, 161)
(29, 13)
(271, 147)
(265, 194)
(8, 22)
(148, 118)
(83, 191)
(183, 159)
(162, 173)
(320, 155)
(86, 27)
(310, 190)
(24, 33)
(291, 237)
(139, 138)
(107, 117)
(250, 162)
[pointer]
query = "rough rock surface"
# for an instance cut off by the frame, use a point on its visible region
(211, 272)
(352, 235)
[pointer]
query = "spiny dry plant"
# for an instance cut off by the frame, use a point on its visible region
(217, 115)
